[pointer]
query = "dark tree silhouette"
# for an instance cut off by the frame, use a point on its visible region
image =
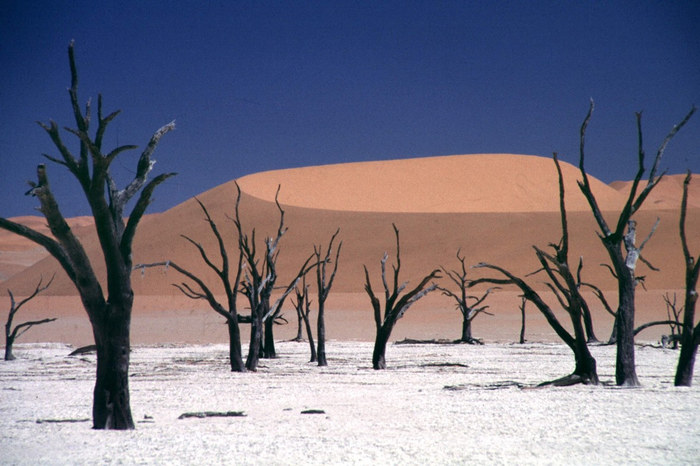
(11, 334)
(469, 310)
(523, 302)
(258, 284)
(624, 236)
(324, 282)
(394, 305)
(303, 307)
(566, 288)
(203, 291)
(110, 316)
(690, 336)
(300, 309)
(606, 305)
(673, 312)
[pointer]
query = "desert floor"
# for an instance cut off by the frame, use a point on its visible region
(435, 404)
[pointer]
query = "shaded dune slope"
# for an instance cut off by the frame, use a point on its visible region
(491, 207)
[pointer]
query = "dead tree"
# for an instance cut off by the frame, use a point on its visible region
(274, 315)
(672, 323)
(468, 310)
(324, 282)
(258, 284)
(394, 306)
(202, 291)
(303, 307)
(300, 317)
(624, 236)
(109, 315)
(690, 336)
(606, 305)
(523, 302)
(567, 292)
(12, 334)
(673, 312)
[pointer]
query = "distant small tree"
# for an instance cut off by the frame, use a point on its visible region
(624, 236)
(324, 282)
(523, 302)
(673, 312)
(394, 306)
(303, 307)
(690, 336)
(673, 322)
(300, 318)
(12, 334)
(110, 314)
(469, 310)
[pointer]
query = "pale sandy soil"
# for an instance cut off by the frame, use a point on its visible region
(436, 404)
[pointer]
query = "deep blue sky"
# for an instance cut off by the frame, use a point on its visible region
(256, 86)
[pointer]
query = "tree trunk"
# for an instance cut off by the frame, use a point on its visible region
(690, 338)
(311, 338)
(588, 322)
(8, 349)
(378, 356)
(300, 332)
(585, 362)
(255, 342)
(269, 344)
(9, 339)
(321, 334)
(586, 365)
(613, 333)
(235, 350)
(466, 330)
(111, 407)
(625, 368)
(522, 323)
(690, 334)
(686, 364)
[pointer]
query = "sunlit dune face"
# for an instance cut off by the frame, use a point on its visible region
(458, 183)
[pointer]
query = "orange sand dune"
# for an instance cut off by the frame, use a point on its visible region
(667, 194)
(456, 183)
(18, 253)
(516, 210)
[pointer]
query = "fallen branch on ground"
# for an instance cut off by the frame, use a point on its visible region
(203, 414)
(57, 421)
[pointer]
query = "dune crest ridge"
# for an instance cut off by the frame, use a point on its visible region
(441, 184)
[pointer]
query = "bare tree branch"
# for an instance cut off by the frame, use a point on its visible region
(395, 306)
(12, 334)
